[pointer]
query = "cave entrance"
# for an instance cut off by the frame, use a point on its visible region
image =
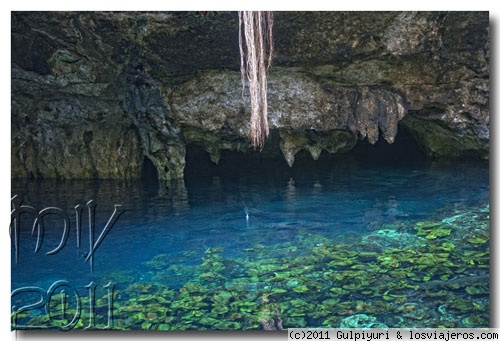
(149, 174)
(404, 151)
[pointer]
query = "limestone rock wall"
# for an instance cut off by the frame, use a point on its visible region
(94, 94)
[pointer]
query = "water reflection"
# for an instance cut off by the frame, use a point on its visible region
(178, 233)
(144, 203)
(179, 217)
(291, 191)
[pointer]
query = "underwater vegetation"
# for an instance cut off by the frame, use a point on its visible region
(407, 274)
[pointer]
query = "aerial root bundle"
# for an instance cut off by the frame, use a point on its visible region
(255, 61)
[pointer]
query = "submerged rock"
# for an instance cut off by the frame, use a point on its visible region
(361, 321)
(102, 94)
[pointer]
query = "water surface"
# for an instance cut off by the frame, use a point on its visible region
(266, 238)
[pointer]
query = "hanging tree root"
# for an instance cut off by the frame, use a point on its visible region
(255, 61)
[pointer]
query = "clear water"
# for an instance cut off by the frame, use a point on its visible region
(231, 211)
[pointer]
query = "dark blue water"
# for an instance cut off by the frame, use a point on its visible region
(233, 210)
(187, 217)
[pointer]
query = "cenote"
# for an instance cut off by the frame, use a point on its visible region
(218, 170)
(357, 240)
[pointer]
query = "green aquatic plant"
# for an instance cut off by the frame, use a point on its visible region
(280, 276)
(301, 288)
(473, 321)
(324, 282)
(437, 233)
(446, 246)
(479, 239)
(431, 230)
(477, 290)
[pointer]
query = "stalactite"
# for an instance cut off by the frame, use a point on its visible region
(255, 61)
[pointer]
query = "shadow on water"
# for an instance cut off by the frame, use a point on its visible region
(271, 165)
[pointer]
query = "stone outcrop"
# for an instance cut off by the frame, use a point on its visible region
(307, 114)
(97, 94)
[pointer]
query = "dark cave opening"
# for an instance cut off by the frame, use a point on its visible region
(404, 151)
(149, 174)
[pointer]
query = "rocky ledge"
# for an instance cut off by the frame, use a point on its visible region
(99, 94)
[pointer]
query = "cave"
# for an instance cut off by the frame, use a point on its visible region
(149, 173)
(366, 206)
(417, 68)
(403, 151)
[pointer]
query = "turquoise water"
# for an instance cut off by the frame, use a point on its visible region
(400, 244)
